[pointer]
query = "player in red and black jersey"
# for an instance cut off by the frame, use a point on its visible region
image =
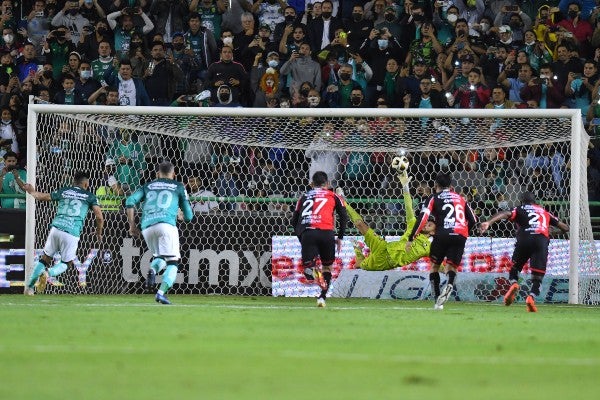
(314, 224)
(533, 238)
(453, 218)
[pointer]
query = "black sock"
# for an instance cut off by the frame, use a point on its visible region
(327, 278)
(513, 275)
(434, 278)
(451, 277)
(536, 282)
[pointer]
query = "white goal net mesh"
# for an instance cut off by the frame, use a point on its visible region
(245, 169)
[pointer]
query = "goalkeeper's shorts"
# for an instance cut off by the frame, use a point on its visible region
(378, 258)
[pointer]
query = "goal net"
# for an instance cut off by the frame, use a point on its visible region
(245, 168)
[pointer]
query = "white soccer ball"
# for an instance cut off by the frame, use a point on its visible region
(400, 163)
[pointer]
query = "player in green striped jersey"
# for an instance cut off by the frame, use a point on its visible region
(73, 203)
(162, 198)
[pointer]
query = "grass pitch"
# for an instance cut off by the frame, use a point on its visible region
(128, 347)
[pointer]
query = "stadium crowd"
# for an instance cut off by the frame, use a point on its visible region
(304, 53)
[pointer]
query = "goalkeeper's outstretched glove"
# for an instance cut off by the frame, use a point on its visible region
(404, 178)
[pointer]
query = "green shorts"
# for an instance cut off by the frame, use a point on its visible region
(378, 259)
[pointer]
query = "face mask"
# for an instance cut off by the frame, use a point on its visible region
(73, 12)
(452, 18)
(223, 97)
(284, 104)
(178, 46)
(313, 101)
(228, 41)
(69, 91)
(85, 74)
(418, 18)
(326, 14)
(509, 41)
(444, 162)
(47, 74)
(8, 38)
(390, 17)
(484, 26)
(357, 16)
(382, 43)
(572, 14)
(345, 76)
(530, 43)
(6, 121)
(355, 100)
(102, 31)
(289, 19)
(273, 63)
(515, 25)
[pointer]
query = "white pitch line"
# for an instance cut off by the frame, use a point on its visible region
(446, 360)
(229, 306)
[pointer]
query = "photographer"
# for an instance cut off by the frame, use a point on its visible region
(8, 184)
(70, 17)
(161, 76)
(92, 11)
(8, 132)
(125, 28)
(91, 37)
(57, 48)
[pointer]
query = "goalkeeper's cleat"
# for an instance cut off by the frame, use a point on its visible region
(161, 298)
(42, 281)
(438, 306)
(321, 303)
(29, 291)
(511, 295)
(150, 279)
(55, 282)
(445, 295)
(530, 302)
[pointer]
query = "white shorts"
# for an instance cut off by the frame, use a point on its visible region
(163, 240)
(62, 243)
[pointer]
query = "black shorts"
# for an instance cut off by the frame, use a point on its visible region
(317, 242)
(533, 248)
(449, 247)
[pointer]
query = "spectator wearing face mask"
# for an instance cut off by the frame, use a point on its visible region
(57, 48)
(471, 11)
(579, 28)
(321, 31)
(91, 37)
(85, 84)
(358, 27)
(225, 97)
(339, 95)
(69, 95)
(257, 78)
(444, 19)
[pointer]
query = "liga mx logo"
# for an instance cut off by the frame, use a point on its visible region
(107, 257)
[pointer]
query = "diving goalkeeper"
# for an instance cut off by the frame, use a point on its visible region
(384, 255)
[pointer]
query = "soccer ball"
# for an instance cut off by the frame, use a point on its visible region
(400, 163)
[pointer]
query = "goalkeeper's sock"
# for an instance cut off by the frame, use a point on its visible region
(451, 277)
(158, 264)
(57, 269)
(169, 277)
(354, 216)
(37, 271)
(434, 278)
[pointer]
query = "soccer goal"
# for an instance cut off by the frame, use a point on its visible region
(245, 168)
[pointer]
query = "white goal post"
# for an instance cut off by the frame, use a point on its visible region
(418, 132)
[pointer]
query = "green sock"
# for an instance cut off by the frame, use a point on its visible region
(57, 269)
(158, 264)
(37, 271)
(354, 216)
(169, 277)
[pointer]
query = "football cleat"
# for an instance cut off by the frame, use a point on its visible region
(40, 286)
(530, 302)
(28, 291)
(161, 298)
(321, 302)
(308, 273)
(319, 279)
(511, 295)
(438, 306)
(150, 279)
(443, 297)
